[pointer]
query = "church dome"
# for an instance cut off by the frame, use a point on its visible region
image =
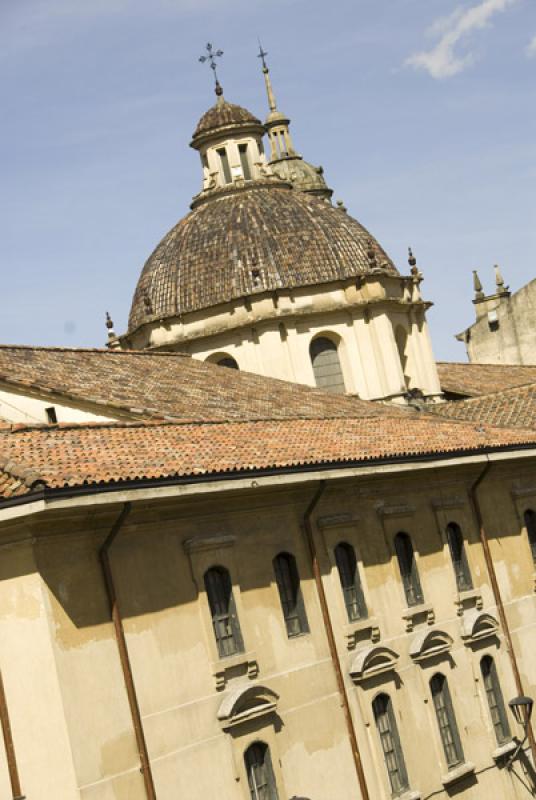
(259, 238)
(224, 116)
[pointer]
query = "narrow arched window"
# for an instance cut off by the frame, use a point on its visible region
(261, 778)
(448, 729)
(530, 522)
(288, 584)
(408, 569)
(350, 583)
(223, 610)
(401, 338)
(495, 700)
(390, 743)
(459, 557)
(326, 365)
(225, 168)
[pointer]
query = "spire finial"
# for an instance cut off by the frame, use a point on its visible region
(269, 91)
(412, 261)
(499, 281)
(479, 294)
(110, 326)
(211, 58)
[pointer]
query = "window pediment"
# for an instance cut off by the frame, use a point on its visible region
(373, 660)
(246, 703)
(478, 625)
(429, 643)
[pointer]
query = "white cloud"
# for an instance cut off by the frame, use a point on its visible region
(531, 48)
(443, 60)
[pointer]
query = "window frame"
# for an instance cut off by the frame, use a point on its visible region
(227, 619)
(407, 565)
(288, 583)
(458, 556)
(266, 764)
(225, 165)
(391, 747)
(495, 700)
(329, 345)
(352, 591)
(243, 154)
(446, 720)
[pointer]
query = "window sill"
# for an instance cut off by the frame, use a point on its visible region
(410, 795)
(457, 773)
(504, 750)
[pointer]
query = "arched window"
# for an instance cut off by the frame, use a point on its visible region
(495, 700)
(223, 611)
(408, 569)
(224, 163)
(401, 338)
(261, 778)
(530, 522)
(448, 729)
(459, 557)
(390, 742)
(350, 583)
(227, 361)
(326, 365)
(288, 583)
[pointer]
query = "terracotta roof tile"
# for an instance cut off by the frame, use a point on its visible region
(289, 239)
(472, 380)
(90, 455)
(221, 115)
(511, 407)
(166, 385)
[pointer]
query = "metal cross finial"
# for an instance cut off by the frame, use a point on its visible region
(211, 58)
(262, 54)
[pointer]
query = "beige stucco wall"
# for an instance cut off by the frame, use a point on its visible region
(70, 717)
(271, 335)
(28, 407)
(511, 339)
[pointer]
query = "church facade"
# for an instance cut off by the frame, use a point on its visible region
(225, 572)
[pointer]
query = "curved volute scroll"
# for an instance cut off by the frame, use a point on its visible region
(478, 625)
(371, 661)
(429, 643)
(246, 703)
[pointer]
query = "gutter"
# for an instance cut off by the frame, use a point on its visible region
(124, 659)
(308, 529)
(9, 746)
(497, 595)
(133, 490)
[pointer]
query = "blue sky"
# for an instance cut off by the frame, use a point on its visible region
(422, 113)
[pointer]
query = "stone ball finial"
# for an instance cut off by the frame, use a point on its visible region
(109, 322)
(341, 205)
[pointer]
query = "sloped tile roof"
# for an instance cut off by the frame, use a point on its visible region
(159, 385)
(512, 407)
(246, 241)
(472, 380)
(104, 454)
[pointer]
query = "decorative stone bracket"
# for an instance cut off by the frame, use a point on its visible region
(467, 600)
(239, 665)
(365, 628)
(424, 612)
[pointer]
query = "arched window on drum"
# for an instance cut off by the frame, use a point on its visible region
(223, 360)
(326, 365)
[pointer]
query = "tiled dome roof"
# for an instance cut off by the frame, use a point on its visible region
(223, 114)
(260, 238)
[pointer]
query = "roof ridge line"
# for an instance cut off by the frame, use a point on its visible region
(102, 350)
